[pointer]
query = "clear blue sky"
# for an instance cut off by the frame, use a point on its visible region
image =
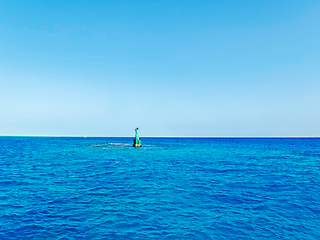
(172, 68)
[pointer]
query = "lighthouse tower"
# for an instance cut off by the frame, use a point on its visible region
(136, 141)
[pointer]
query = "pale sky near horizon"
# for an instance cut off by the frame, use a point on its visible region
(171, 68)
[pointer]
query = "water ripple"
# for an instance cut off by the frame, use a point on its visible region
(171, 188)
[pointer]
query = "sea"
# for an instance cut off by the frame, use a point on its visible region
(170, 188)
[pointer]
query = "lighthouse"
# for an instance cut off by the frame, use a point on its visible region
(136, 141)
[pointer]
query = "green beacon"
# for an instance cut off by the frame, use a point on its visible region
(136, 141)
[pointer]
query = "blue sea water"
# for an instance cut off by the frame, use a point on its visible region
(171, 188)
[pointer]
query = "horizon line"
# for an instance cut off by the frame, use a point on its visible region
(82, 136)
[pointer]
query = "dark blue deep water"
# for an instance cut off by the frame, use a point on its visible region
(171, 188)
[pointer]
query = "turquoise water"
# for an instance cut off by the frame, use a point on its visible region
(171, 188)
